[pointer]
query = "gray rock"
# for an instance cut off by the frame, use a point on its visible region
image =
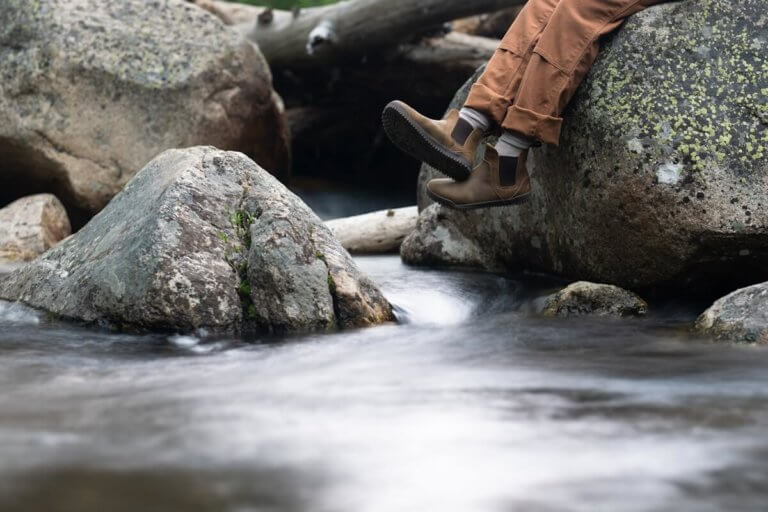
(741, 316)
(202, 238)
(661, 174)
(31, 225)
(584, 298)
(91, 90)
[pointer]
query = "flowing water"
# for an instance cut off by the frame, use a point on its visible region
(470, 404)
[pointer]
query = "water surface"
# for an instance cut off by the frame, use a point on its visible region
(471, 404)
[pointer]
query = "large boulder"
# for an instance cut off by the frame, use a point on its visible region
(661, 174)
(202, 238)
(31, 225)
(741, 316)
(91, 90)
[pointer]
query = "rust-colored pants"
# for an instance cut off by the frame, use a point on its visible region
(541, 61)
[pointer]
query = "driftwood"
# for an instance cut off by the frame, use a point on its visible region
(375, 233)
(314, 37)
(334, 114)
(432, 68)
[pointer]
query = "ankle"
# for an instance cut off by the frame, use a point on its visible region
(476, 119)
(511, 145)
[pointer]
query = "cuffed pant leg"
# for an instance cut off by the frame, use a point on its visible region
(495, 90)
(561, 58)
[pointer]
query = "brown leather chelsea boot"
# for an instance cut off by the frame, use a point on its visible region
(449, 145)
(495, 182)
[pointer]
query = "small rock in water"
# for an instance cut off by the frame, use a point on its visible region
(584, 298)
(741, 316)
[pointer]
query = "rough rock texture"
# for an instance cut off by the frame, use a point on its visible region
(661, 174)
(584, 298)
(91, 90)
(741, 316)
(230, 13)
(202, 238)
(32, 225)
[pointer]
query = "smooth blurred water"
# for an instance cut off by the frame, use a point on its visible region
(472, 404)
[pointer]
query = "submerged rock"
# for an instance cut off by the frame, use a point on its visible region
(91, 90)
(202, 238)
(31, 225)
(584, 298)
(741, 316)
(661, 174)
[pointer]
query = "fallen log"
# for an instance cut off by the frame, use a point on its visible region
(334, 114)
(375, 233)
(430, 69)
(317, 36)
(493, 24)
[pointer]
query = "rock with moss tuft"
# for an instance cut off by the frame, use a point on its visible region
(91, 90)
(202, 238)
(661, 174)
(592, 299)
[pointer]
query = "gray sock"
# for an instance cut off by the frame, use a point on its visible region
(475, 118)
(511, 145)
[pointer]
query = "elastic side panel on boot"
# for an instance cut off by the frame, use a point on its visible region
(461, 131)
(507, 171)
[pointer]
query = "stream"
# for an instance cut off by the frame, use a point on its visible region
(470, 403)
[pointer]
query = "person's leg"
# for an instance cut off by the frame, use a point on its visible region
(495, 90)
(561, 59)
(563, 54)
(450, 144)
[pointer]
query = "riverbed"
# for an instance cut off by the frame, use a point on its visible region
(469, 403)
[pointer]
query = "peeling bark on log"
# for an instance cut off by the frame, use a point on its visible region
(353, 27)
(377, 232)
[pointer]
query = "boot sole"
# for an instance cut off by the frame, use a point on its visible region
(521, 199)
(415, 141)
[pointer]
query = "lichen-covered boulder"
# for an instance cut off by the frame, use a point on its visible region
(741, 316)
(202, 238)
(31, 225)
(91, 90)
(592, 299)
(661, 176)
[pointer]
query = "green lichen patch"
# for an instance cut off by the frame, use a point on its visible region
(689, 79)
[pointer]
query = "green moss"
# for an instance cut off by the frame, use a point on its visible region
(244, 289)
(241, 221)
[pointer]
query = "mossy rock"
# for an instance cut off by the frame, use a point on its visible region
(662, 168)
